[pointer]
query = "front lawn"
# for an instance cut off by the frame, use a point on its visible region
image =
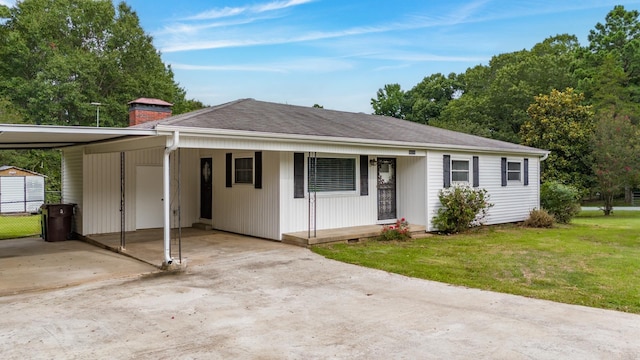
(12, 227)
(594, 261)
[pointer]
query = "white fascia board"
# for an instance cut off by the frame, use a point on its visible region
(76, 130)
(288, 138)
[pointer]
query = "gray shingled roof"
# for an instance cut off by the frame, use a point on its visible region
(265, 117)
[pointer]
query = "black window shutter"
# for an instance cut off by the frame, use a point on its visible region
(229, 169)
(364, 175)
(258, 170)
(446, 170)
(526, 172)
(476, 171)
(298, 175)
(504, 171)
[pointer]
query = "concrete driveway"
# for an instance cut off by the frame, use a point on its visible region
(255, 299)
(32, 264)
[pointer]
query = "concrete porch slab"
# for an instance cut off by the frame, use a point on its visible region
(347, 234)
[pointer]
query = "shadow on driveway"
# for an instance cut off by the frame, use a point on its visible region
(32, 264)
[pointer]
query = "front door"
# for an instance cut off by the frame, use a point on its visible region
(386, 189)
(206, 188)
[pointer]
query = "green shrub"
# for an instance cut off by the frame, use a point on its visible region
(539, 219)
(462, 207)
(398, 231)
(560, 200)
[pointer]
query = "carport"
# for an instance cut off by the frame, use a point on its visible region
(17, 137)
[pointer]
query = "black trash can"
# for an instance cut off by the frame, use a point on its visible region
(56, 221)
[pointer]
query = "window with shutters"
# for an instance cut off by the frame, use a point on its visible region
(513, 171)
(459, 171)
(243, 170)
(331, 174)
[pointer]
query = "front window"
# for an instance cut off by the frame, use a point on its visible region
(244, 170)
(331, 174)
(513, 171)
(460, 170)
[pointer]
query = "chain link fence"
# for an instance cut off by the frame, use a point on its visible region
(19, 225)
(25, 224)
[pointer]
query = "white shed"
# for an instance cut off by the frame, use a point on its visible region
(21, 191)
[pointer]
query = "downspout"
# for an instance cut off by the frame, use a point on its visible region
(166, 197)
(543, 158)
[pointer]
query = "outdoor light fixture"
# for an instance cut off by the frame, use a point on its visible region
(97, 105)
(373, 161)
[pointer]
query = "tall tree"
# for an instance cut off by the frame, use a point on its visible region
(389, 101)
(425, 101)
(618, 39)
(559, 122)
(506, 87)
(58, 56)
(617, 156)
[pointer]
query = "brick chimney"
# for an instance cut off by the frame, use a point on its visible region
(144, 109)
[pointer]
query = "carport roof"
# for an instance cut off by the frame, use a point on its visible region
(48, 137)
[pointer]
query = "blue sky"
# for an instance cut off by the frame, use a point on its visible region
(338, 53)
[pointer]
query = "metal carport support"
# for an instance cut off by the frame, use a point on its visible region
(166, 187)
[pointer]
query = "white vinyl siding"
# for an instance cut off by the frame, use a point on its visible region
(511, 203)
(72, 184)
(411, 187)
(333, 210)
(245, 209)
(101, 195)
(12, 194)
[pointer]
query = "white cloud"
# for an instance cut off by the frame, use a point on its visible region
(277, 5)
(218, 13)
(182, 45)
(477, 11)
(255, 9)
(246, 68)
(182, 28)
(9, 3)
(318, 65)
(421, 57)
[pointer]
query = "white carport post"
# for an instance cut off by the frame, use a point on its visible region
(166, 186)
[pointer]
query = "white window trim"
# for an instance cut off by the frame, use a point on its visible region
(520, 162)
(470, 172)
(244, 155)
(355, 192)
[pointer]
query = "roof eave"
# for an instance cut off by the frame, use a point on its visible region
(242, 134)
(58, 129)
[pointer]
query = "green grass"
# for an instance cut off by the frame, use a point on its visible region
(12, 227)
(594, 261)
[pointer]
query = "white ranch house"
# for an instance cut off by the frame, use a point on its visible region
(265, 169)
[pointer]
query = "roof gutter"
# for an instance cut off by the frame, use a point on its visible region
(545, 156)
(166, 197)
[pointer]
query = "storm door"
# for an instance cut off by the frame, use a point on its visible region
(206, 188)
(386, 189)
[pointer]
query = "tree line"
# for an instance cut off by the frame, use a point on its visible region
(580, 102)
(59, 56)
